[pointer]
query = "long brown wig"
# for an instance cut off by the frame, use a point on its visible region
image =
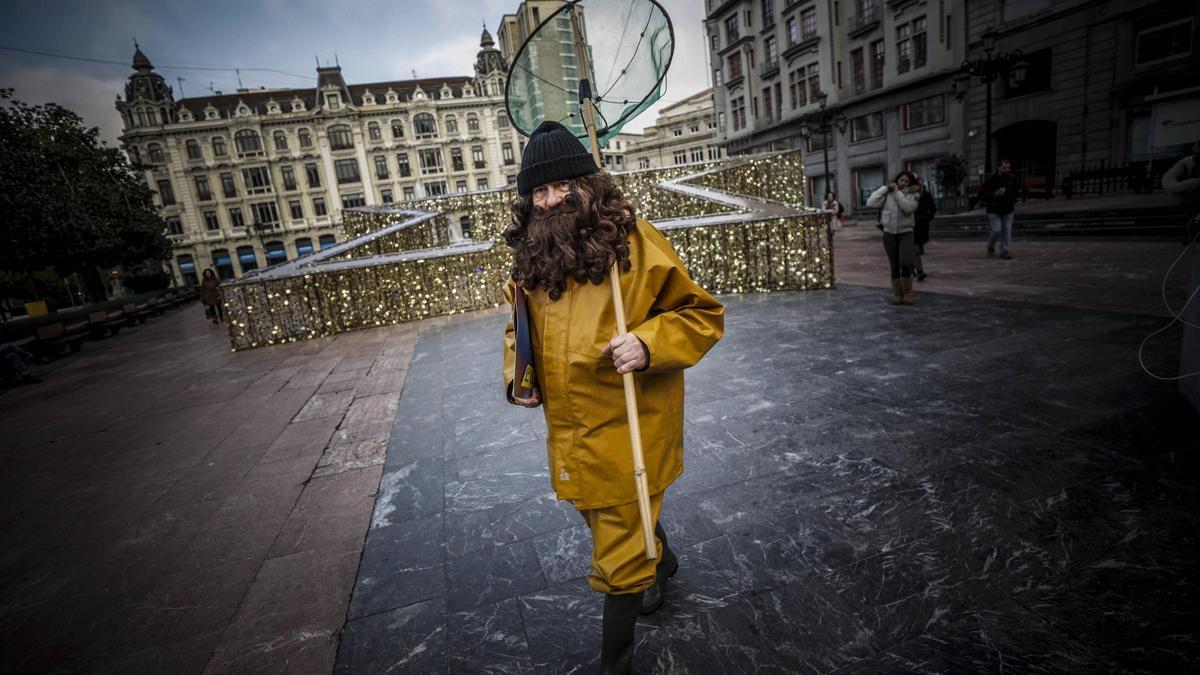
(579, 238)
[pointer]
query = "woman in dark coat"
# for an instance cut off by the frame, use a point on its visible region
(926, 209)
(210, 296)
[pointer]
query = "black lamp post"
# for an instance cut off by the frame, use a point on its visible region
(822, 123)
(988, 69)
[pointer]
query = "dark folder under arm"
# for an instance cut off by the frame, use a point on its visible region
(524, 376)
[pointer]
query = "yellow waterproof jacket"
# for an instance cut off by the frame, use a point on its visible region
(587, 433)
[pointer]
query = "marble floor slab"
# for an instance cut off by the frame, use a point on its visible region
(968, 485)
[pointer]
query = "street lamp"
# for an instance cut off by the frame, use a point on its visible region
(988, 69)
(822, 123)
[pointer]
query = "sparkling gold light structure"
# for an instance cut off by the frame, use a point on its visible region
(739, 224)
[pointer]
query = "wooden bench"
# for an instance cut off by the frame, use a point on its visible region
(53, 338)
(103, 322)
(134, 313)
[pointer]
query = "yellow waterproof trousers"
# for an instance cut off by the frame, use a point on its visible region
(619, 564)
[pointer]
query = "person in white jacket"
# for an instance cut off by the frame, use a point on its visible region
(897, 201)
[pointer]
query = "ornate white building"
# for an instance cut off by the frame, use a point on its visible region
(684, 132)
(261, 176)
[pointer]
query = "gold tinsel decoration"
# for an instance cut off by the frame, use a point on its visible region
(749, 233)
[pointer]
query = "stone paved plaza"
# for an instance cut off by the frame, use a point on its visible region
(985, 482)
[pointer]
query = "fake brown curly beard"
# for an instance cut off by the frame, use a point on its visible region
(579, 238)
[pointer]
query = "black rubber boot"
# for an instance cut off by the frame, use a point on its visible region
(620, 617)
(668, 565)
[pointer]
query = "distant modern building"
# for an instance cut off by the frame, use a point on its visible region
(685, 131)
(260, 176)
(553, 61)
(885, 69)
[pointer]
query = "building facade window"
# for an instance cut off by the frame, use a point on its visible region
(793, 31)
(1163, 41)
(235, 217)
(313, 175)
(305, 138)
(281, 142)
(431, 161)
(903, 48)
(296, 209)
(501, 120)
(472, 123)
(304, 246)
(228, 187)
(340, 137)
(247, 142)
(768, 12)
(346, 171)
(318, 204)
(353, 200)
(738, 110)
(218, 146)
(223, 264)
(814, 81)
(734, 62)
(866, 127)
(257, 180)
(265, 214)
(155, 152)
(451, 124)
(276, 253)
(289, 177)
(920, 50)
(797, 89)
(193, 149)
(402, 165)
(166, 193)
(506, 151)
(808, 23)
(858, 74)
(481, 184)
(923, 113)
(381, 167)
(424, 126)
(203, 192)
(174, 226)
(731, 29)
(327, 240)
(865, 181)
(397, 129)
(680, 156)
(460, 186)
(435, 189)
(247, 258)
(477, 156)
(385, 196)
(877, 64)
(410, 193)
(211, 223)
(373, 131)
(456, 160)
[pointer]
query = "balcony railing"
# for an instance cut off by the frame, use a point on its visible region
(769, 68)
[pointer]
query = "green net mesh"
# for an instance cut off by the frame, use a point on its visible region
(629, 42)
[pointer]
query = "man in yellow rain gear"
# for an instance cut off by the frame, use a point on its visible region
(569, 224)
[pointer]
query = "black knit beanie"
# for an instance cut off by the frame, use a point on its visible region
(553, 153)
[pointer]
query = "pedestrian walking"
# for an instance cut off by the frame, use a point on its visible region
(1183, 181)
(922, 217)
(831, 203)
(999, 193)
(897, 201)
(210, 296)
(569, 225)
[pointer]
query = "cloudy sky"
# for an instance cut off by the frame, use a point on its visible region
(373, 41)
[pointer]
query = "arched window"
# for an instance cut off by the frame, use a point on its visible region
(134, 156)
(397, 129)
(222, 263)
(193, 149)
(218, 144)
(373, 131)
(281, 143)
(247, 142)
(187, 269)
(451, 124)
(472, 123)
(247, 258)
(305, 138)
(154, 153)
(424, 125)
(276, 253)
(304, 246)
(501, 120)
(327, 240)
(340, 137)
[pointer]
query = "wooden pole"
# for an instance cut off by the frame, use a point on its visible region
(614, 275)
